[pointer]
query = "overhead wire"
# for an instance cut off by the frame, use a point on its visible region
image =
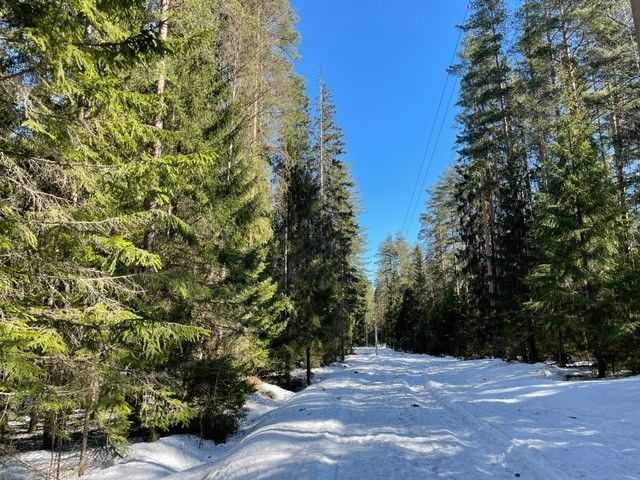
(411, 207)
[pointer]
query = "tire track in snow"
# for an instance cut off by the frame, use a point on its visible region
(388, 418)
(332, 443)
(533, 462)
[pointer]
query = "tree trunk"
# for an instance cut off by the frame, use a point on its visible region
(287, 375)
(375, 333)
(82, 464)
(321, 139)
(33, 421)
(562, 354)
(343, 326)
(309, 364)
(151, 203)
(602, 363)
(621, 181)
(48, 433)
(532, 348)
(635, 6)
(487, 238)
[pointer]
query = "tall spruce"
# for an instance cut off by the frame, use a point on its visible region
(296, 250)
(339, 230)
(74, 122)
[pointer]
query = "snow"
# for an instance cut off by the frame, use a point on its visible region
(401, 416)
(267, 398)
(159, 459)
(145, 461)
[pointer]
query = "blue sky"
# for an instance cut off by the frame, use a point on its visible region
(385, 64)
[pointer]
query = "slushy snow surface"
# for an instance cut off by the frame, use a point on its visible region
(401, 416)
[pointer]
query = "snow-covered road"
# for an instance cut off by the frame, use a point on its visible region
(400, 416)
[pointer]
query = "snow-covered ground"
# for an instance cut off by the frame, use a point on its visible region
(144, 461)
(401, 416)
(147, 461)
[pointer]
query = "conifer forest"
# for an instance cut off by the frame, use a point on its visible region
(529, 242)
(179, 219)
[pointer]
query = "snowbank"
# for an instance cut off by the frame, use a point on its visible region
(147, 461)
(267, 398)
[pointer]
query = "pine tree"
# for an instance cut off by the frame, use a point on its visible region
(447, 327)
(494, 181)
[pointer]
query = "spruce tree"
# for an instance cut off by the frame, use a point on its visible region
(576, 233)
(76, 339)
(296, 250)
(339, 230)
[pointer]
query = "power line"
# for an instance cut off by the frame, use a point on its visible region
(433, 126)
(424, 155)
(426, 151)
(433, 153)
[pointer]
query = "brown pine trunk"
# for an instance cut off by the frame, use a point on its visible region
(567, 57)
(618, 150)
(342, 334)
(321, 140)
(621, 182)
(487, 240)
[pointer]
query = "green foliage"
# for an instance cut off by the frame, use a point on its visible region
(218, 392)
(135, 221)
(531, 241)
(316, 244)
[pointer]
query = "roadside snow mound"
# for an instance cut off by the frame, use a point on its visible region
(145, 461)
(150, 461)
(268, 397)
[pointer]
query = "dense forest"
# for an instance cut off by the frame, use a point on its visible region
(529, 246)
(175, 217)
